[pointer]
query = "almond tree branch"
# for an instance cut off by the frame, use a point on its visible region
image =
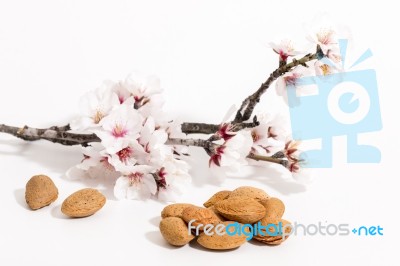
(199, 128)
(203, 128)
(247, 107)
(53, 134)
(206, 144)
(209, 146)
(61, 134)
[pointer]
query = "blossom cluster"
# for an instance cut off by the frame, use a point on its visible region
(129, 119)
(134, 132)
(326, 38)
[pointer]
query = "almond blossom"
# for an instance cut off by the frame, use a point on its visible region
(119, 128)
(172, 179)
(284, 49)
(153, 140)
(124, 96)
(265, 141)
(136, 182)
(230, 156)
(293, 80)
(130, 155)
(131, 141)
(93, 165)
(142, 88)
(325, 38)
(94, 106)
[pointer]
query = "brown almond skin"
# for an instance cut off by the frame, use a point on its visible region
(83, 203)
(221, 195)
(40, 192)
(220, 217)
(175, 231)
(174, 210)
(221, 242)
(250, 192)
(274, 206)
(241, 209)
(273, 240)
(200, 215)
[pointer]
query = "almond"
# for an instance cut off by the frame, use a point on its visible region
(241, 209)
(274, 206)
(220, 217)
(83, 203)
(250, 192)
(175, 231)
(269, 237)
(174, 210)
(40, 191)
(221, 195)
(213, 240)
(199, 216)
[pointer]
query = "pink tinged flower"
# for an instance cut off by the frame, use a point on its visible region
(293, 80)
(289, 79)
(94, 164)
(265, 140)
(324, 68)
(291, 151)
(128, 156)
(231, 156)
(142, 87)
(153, 140)
(153, 107)
(226, 131)
(325, 38)
(120, 127)
(284, 49)
(125, 154)
(95, 105)
(122, 93)
(137, 183)
(172, 179)
(216, 156)
(92, 155)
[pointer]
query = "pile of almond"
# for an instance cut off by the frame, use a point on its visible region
(241, 208)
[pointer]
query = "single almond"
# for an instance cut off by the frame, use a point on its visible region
(274, 206)
(199, 216)
(83, 203)
(218, 239)
(241, 209)
(40, 191)
(175, 231)
(273, 234)
(220, 217)
(221, 195)
(174, 210)
(250, 192)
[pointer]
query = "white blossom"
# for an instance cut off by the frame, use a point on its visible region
(94, 106)
(231, 156)
(121, 126)
(137, 182)
(284, 49)
(172, 179)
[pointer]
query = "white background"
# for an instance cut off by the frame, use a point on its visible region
(209, 55)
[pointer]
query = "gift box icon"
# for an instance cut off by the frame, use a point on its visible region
(347, 104)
